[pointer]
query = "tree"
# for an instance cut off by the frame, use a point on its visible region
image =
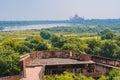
(57, 41)
(28, 38)
(114, 74)
(94, 45)
(36, 40)
(103, 78)
(10, 42)
(64, 76)
(83, 47)
(68, 46)
(45, 34)
(108, 35)
(21, 48)
(41, 46)
(109, 49)
(105, 31)
(83, 77)
(9, 62)
(69, 76)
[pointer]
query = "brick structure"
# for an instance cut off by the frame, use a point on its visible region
(16, 77)
(36, 65)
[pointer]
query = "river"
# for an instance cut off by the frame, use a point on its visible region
(30, 27)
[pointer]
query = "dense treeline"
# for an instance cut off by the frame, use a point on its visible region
(79, 29)
(83, 31)
(106, 44)
(112, 23)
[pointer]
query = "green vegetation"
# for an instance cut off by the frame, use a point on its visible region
(45, 34)
(76, 31)
(9, 62)
(113, 75)
(68, 76)
(92, 40)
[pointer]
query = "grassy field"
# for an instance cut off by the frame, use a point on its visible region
(20, 35)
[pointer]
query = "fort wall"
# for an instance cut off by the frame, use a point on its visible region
(99, 63)
(106, 61)
(16, 77)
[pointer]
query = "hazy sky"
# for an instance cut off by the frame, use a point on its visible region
(58, 9)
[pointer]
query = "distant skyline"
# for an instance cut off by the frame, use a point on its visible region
(58, 9)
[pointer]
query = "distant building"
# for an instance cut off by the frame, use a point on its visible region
(76, 19)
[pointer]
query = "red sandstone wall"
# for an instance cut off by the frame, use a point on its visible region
(107, 61)
(58, 54)
(75, 55)
(85, 57)
(27, 61)
(62, 54)
(40, 54)
(17, 77)
(80, 56)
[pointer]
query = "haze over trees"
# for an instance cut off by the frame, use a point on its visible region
(73, 21)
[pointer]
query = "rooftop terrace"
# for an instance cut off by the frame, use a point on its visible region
(58, 61)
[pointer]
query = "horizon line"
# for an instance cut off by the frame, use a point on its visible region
(59, 19)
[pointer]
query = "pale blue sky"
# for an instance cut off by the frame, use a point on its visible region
(58, 9)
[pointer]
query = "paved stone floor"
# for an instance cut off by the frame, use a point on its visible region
(59, 61)
(32, 73)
